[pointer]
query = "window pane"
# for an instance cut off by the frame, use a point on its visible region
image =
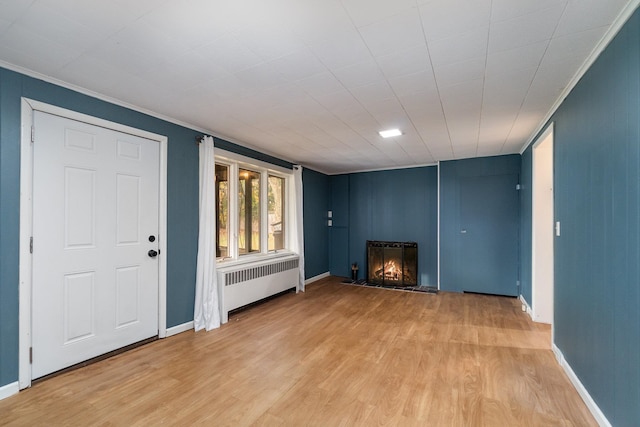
(222, 211)
(276, 213)
(248, 211)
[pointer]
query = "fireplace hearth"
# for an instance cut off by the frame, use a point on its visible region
(392, 263)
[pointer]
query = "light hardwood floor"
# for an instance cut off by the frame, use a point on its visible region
(337, 355)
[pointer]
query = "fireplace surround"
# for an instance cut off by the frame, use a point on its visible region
(392, 263)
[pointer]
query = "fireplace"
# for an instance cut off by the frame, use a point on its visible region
(392, 263)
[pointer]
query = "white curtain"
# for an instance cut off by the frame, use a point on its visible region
(298, 231)
(206, 313)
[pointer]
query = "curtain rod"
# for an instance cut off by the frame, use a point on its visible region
(200, 138)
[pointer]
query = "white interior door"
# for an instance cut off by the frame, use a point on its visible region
(95, 210)
(542, 239)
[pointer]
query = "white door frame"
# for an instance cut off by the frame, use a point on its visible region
(542, 234)
(26, 221)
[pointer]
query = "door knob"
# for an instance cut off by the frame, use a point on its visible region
(152, 253)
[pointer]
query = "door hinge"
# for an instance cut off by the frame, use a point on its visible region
(518, 187)
(33, 134)
(30, 354)
(31, 245)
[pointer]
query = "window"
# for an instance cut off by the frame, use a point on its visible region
(248, 211)
(275, 205)
(251, 207)
(222, 211)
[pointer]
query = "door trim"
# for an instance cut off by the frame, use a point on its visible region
(26, 221)
(542, 249)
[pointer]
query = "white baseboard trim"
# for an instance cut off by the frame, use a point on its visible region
(180, 328)
(526, 306)
(9, 390)
(316, 278)
(580, 388)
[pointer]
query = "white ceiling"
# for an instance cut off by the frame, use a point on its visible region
(313, 81)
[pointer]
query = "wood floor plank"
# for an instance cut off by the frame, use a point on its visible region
(335, 355)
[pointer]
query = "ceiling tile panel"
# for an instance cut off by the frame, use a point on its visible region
(418, 82)
(443, 19)
(230, 54)
(403, 62)
(401, 31)
(465, 152)
(103, 17)
(82, 70)
(524, 30)
(338, 100)
(379, 91)
(460, 47)
(212, 20)
(313, 20)
(342, 49)
(226, 87)
(298, 65)
(359, 74)
(141, 43)
(464, 131)
(4, 25)
(576, 45)
(122, 57)
(185, 71)
(365, 12)
(261, 76)
(11, 10)
(19, 46)
(454, 74)
(425, 102)
(268, 40)
(320, 84)
(507, 90)
(523, 57)
(502, 10)
(494, 131)
(135, 9)
(490, 150)
(56, 27)
(587, 14)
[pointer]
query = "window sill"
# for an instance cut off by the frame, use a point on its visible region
(248, 259)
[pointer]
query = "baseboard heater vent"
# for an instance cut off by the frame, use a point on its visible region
(250, 273)
(244, 284)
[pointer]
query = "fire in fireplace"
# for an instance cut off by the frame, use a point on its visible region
(392, 263)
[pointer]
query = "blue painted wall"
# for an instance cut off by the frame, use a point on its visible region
(526, 195)
(317, 193)
(597, 200)
(339, 264)
(182, 193)
(394, 205)
(453, 270)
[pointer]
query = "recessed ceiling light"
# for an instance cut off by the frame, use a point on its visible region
(390, 133)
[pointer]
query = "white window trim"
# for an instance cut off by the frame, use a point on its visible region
(235, 162)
